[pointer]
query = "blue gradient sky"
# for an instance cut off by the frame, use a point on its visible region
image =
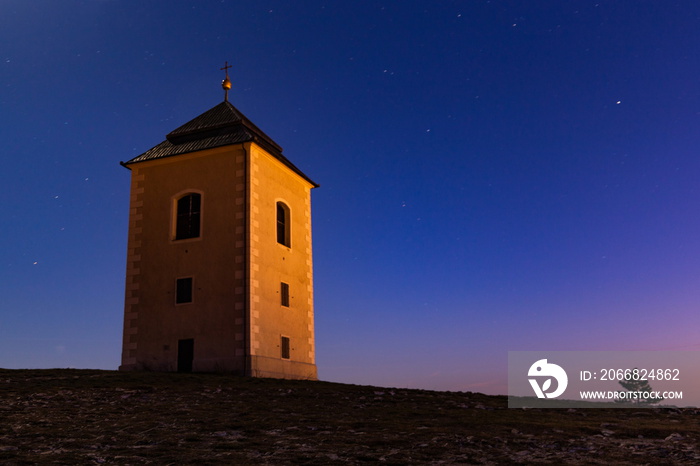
(495, 175)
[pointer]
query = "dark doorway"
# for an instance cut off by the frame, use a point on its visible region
(185, 355)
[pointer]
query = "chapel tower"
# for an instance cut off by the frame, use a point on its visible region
(219, 266)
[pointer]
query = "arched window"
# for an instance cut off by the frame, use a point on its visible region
(283, 224)
(187, 223)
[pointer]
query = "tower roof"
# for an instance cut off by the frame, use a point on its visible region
(221, 125)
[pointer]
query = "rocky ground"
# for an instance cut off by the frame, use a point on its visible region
(85, 417)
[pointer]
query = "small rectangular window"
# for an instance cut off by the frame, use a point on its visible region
(285, 347)
(284, 293)
(183, 293)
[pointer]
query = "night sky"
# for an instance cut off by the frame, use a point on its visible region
(495, 175)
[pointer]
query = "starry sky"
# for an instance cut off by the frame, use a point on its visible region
(495, 175)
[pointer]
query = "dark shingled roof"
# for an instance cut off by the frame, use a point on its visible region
(222, 125)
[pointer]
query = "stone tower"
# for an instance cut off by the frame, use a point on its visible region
(219, 266)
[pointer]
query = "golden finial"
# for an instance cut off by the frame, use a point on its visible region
(226, 83)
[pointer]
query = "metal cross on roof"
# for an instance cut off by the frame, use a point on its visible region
(226, 83)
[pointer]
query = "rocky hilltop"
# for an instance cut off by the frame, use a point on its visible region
(88, 417)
